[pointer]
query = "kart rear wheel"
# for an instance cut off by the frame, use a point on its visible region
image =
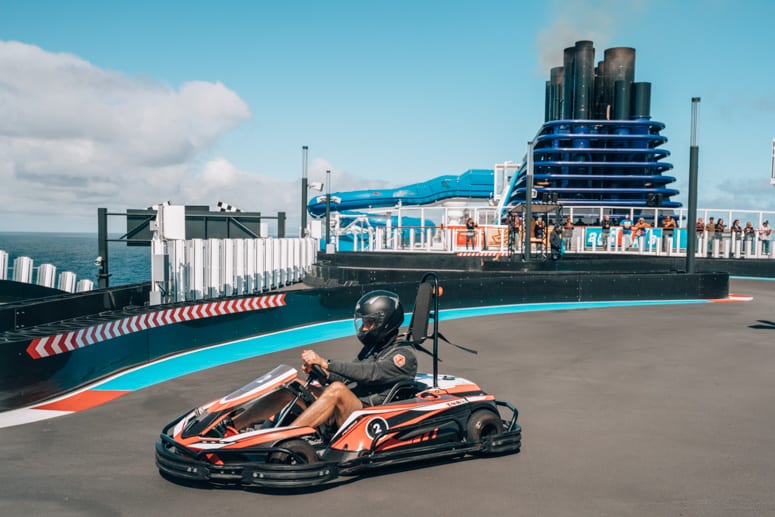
(483, 423)
(300, 448)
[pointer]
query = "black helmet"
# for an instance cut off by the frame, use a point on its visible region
(378, 316)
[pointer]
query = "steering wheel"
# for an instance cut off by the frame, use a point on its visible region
(317, 373)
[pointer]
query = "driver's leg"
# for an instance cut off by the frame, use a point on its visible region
(336, 401)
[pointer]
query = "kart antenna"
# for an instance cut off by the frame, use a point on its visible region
(434, 280)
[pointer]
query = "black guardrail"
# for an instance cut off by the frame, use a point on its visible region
(47, 308)
(25, 380)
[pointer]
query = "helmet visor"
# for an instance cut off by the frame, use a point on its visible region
(365, 324)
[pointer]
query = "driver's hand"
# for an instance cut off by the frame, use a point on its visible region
(311, 357)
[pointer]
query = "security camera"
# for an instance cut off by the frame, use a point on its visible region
(98, 261)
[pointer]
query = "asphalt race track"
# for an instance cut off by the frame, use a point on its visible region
(653, 410)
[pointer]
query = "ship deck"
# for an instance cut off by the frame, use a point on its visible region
(651, 410)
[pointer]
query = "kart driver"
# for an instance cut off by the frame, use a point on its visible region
(380, 364)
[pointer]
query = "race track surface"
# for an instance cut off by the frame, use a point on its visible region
(654, 410)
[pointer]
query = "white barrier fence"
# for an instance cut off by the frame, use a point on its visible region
(196, 269)
(588, 239)
(24, 269)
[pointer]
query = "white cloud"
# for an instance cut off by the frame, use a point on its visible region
(572, 21)
(74, 137)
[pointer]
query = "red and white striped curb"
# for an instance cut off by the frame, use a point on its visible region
(480, 253)
(69, 341)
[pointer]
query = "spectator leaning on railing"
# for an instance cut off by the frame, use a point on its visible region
(700, 231)
(764, 236)
(668, 228)
(605, 226)
(710, 229)
(567, 233)
(540, 234)
(748, 236)
(627, 236)
(639, 230)
(719, 233)
(736, 232)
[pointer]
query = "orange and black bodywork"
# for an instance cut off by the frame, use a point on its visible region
(417, 423)
(246, 437)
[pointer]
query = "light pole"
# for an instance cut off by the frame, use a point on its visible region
(694, 151)
(328, 208)
(303, 231)
(528, 215)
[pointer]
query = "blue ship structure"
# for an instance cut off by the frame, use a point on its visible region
(472, 184)
(598, 145)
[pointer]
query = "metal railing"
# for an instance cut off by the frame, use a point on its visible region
(442, 230)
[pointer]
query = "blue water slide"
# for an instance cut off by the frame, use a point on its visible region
(474, 183)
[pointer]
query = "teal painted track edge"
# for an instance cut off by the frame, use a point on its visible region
(758, 278)
(219, 355)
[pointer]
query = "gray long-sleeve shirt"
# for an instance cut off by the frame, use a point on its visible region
(377, 373)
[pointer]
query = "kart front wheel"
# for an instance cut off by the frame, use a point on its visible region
(302, 451)
(483, 423)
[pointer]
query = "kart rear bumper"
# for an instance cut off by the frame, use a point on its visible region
(503, 443)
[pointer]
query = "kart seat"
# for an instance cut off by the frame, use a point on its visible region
(404, 390)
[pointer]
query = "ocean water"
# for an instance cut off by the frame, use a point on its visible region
(76, 252)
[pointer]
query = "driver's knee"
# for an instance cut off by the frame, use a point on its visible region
(336, 390)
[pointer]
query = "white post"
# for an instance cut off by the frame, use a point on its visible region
(269, 281)
(285, 262)
(196, 268)
(66, 281)
(250, 266)
(84, 285)
(276, 264)
(212, 267)
(298, 264)
(22, 269)
(177, 270)
(46, 275)
(239, 266)
(227, 267)
(159, 271)
(261, 264)
(4, 265)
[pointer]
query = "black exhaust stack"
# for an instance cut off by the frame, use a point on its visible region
(584, 75)
(579, 90)
(641, 101)
(568, 82)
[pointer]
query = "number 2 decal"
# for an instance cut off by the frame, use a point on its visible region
(376, 427)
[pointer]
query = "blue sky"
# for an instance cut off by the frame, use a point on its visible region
(125, 104)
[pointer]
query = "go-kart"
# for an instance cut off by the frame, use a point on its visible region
(246, 437)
